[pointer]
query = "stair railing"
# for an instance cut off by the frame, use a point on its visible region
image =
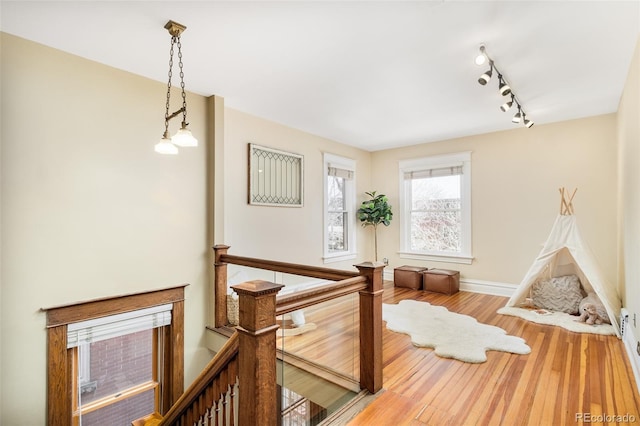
(250, 354)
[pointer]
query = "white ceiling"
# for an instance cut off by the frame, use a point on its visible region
(373, 75)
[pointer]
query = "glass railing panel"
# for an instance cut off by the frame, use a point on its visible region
(318, 366)
(317, 346)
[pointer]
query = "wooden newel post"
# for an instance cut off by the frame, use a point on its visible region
(371, 327)
(257, 389)
(220, 286)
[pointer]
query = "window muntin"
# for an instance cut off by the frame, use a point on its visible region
(339, 208)
(436, 208)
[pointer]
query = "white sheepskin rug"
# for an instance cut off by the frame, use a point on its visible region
(451, 335)
(559, 319)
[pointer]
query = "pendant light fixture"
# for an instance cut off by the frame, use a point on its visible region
(183, 137)
(504, 89)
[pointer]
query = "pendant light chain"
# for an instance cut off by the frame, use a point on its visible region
(184, 96)
(166, 114)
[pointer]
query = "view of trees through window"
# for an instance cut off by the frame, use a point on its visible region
(436, 220)
(337, 214)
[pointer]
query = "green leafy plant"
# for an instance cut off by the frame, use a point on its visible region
(374, 212)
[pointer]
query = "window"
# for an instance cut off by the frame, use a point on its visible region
(435, 204)
(110, 361)
(339, 211)
(115, 359)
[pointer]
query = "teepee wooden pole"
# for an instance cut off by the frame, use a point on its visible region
(566, 202)
(571, 201)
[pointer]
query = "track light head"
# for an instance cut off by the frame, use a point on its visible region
(516, 118)
(484, 78)
(503, 88)
(528, 123)
(507, 105)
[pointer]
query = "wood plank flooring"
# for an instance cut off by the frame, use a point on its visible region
(566, 377)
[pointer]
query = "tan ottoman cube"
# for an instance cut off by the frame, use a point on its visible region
(408, 276)
(441, 281)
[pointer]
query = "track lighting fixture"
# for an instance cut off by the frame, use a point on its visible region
(504, 89)
(183, 137)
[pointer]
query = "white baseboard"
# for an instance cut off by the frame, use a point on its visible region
(487, 287)
(630, 345)
(474, 286)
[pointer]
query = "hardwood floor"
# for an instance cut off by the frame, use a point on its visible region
(566, 377)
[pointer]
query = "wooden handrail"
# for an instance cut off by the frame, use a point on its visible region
(289, 268)
(212, 372)
(312, 296)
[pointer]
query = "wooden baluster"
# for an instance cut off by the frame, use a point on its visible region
(232, 403)
(218, 404)
(225, 399)
(257, 353)
(220, 286)
(371, 327)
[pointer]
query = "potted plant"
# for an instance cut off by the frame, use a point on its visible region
(374, 212)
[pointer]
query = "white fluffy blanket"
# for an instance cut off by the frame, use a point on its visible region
(451, 335)
(559, 319)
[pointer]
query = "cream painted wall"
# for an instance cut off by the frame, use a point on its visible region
(89, 210)
(515, 179)
(291, 234)
(629, 149)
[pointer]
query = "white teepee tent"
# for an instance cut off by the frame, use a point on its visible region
(564, 253)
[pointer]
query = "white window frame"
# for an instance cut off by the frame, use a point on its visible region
(420, 164)
(332, 160)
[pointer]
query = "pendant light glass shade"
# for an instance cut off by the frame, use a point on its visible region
(183, 137)
(165, 146)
